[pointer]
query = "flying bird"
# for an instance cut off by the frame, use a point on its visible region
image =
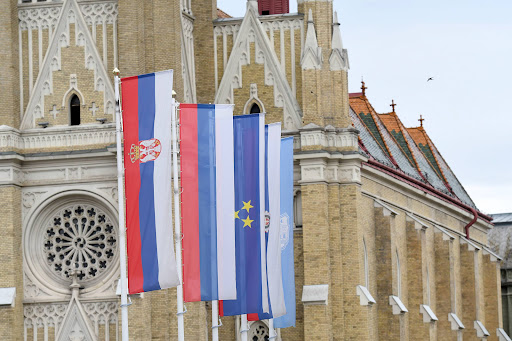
(430, 79)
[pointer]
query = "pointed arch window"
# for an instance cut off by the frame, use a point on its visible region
(74, 111)
(255, 109)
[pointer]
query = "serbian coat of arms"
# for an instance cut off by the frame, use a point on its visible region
(145, 151)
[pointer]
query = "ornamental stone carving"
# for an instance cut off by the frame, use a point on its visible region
(73, 232)
(80, 238)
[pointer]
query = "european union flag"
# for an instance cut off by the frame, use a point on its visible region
(251, 278)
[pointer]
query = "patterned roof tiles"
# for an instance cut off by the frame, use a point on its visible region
(409, 150)
(425, 143)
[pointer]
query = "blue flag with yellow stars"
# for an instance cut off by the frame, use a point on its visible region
(251, 278)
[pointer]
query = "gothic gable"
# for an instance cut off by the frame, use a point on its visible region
(252, 48)
(71, 66)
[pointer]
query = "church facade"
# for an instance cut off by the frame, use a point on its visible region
(388, 244)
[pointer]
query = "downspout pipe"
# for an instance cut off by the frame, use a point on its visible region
(475, 217)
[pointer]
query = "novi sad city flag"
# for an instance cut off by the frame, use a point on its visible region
(251, 279)
(208, 202)
(147, 160)
(272, 224)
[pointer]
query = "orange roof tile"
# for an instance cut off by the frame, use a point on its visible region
(419, 135)
(222, 14)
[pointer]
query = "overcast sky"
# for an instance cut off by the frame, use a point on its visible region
(466, 46)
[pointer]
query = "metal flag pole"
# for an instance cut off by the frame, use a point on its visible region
(122, 228)
(244, 328)
(272, 331)
(177, 220)
(215, 321)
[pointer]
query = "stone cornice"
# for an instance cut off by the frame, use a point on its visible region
(420, 195)
(328, 137)
(58, 137)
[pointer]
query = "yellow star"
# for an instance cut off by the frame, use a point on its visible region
(236, 215)
(247, 222)
(247, 206)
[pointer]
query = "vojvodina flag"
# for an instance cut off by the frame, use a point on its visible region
(286, 228)
(147, 161)
(251, 279)
(272, 224)
(208, 202)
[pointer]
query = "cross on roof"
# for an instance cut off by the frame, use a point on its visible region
(393, 104)
(363, 88)
(421, 120)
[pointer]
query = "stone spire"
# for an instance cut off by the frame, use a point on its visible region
(252, 4)
(339, 56)
(312, 55)
(336, 34)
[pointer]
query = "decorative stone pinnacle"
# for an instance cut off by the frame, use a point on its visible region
(393, 105)
(336, 34)
(335, 21)
(75, 287)
(253, 4)
(421, 121)
(310, 16)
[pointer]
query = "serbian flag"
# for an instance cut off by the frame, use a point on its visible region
(207, 202)
(251, 275)
(147, 110)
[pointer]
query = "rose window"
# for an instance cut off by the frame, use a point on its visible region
(80, 238)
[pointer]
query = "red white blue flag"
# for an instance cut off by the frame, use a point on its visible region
(147, 110)
(208, 202)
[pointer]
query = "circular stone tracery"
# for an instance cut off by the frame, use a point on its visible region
(80, 238)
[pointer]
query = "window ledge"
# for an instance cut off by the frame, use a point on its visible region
(502, 335)
(365, 298)
(456, 322)
(480, 329)
(398, 306)
(428, 314)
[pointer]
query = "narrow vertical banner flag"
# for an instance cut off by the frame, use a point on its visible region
(208, 202)
(286, 234)
(147, 110)
(272, 224)
(275, 281)
(249, 158)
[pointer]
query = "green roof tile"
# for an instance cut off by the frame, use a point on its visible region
(399, 137)
(372, 127)
(430, 157)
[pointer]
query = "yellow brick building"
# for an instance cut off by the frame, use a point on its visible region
(381, 222)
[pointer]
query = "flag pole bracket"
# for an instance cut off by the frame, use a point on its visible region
(219, 325)
(182, 312)
(127, 304)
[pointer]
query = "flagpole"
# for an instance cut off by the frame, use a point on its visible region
(244, 327)
(272, 331)
(122, 228)
(215, 321)
(177, 221)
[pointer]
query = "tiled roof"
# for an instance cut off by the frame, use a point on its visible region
(408, 150)
(501, 218)
(222, 14)
(421, 137)
(393, 126)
